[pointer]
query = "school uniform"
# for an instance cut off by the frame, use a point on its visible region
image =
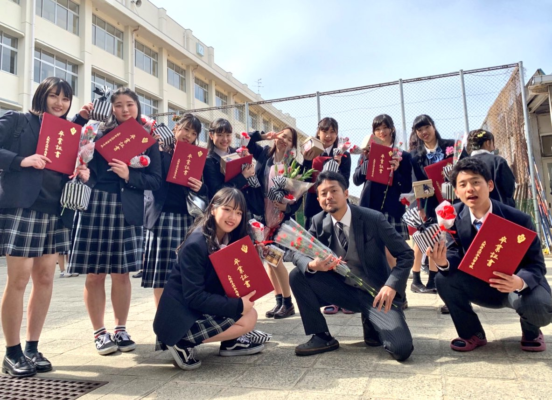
(383, 198)
(214, 180)
(503, 177)
(194, 306)
(109, 234)
(166, 222)
(30, 221)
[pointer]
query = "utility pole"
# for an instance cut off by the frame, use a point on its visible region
(259, 85)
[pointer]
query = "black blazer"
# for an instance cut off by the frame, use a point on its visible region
(503, 178)
(372, 235)
(214, 180)
(155, 200)
(24, 183)
(373, 193)
(312, 206)
(193, 289)
(531, 269)
(140, 179)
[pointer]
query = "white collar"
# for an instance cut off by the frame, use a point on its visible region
(480, 151)
(328, 150)
(428, 150)
(473, 219)
(346, 220)
(225, 240)
(220, 152)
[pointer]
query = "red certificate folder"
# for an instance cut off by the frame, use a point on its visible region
(437, 176)
(187, 162)
(378, 164)
(124, 142)
(241, 270)
(234, 167)
(500, 245)
(59, 141)
(317, 165)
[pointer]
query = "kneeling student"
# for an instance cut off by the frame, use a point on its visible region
(526, 291)
(194, 308)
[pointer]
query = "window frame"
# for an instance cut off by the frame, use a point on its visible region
(56, 66)
(198, 85)
(116, 40)
(154, 103)
(12, 49)
(180, 75)
(68, 10)
(221, 100)
(153, 58)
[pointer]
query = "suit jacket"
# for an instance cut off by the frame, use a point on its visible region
(531, 268)
(372, 235)
(373, 193)
(155, 200)
(503, 178)
(193, 289)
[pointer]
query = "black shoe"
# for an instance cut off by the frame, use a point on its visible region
(316, 345)
(138, 274)
(270, 314)
(284, 312)
(404, 305)
(445, 310)
(40, 362)
(371, 337)
(124, 343)
(22, 368)
(418, 288)
(431, 290)
(184, 357)
(241, 346)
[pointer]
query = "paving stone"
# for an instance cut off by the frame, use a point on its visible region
(271, 377)
(184, 390)
(213, 374)
(251, 394)
(404, 386)
(460, 388)
(341, 382)
(284, 357)
(478, 367)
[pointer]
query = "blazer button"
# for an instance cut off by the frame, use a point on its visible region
(122, 189)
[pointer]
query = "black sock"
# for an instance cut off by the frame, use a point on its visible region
(14, 353)
(31, 348)
(185, 343)
(279, 300)
(287, 302)
(431, 280)
(416, 278)
(324, 335)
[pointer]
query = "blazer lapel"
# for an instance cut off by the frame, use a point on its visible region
(464, 228)
(327, 230)
(34, 122)
(358, 230)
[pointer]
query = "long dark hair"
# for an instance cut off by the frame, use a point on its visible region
(189, 121)
(219, 125)
(388, 121)
(325, 124)
(224, 197)
(40, 98)
(419, 122)
(293, 140)
(112, 122)
(477, 138)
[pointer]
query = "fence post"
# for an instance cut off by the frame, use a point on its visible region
(246, 112)
(318, 105)
(403, 115)
(465, 103)
(531, 161)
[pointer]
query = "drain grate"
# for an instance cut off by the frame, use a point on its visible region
(44, 389)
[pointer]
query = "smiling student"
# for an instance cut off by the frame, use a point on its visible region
(109, 234)
(32, 233)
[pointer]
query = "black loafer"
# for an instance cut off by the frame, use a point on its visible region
(270, 313)
(316, 345)
(445, 310)
(284, 312)
(420, 288)
(22, 368)
(432, 290)
(40, 362)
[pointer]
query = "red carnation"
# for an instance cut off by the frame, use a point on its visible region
(289, 197)
(144, 161)
(292, 244)
(405, 202)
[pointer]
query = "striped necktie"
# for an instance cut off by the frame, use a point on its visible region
(341, 236)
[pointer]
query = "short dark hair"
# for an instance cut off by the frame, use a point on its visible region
(40, 97)
(112, 122)
(331, 176)
(473, 165)
(325, 124)
(388, 121)
(190, 121)
(419, 122)
(219, 125)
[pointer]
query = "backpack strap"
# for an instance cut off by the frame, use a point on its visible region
(20, 125)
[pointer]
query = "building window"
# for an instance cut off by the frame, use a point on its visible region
(174, 111)
(8, 53)
(149, 106)
(47, 64)
(266, 125)
(238, 113)
(252, 120)
(176, 76)
(107, 37)
(221, 101)
(63, 13)
(4, 110)
(146, 59)
(101, 81)
(201, 91)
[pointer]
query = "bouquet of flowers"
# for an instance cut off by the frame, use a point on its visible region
(291, 185)
(446, 215)
(294, 237)
(407, 198)
(257, 230)
(148, 124)
(244, 139)
(354, 149)
(141, 161)
(343, 144)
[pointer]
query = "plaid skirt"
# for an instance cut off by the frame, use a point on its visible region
(104, 242)
(208, 327)
(399, 226)
(29, 233)
(160, 247)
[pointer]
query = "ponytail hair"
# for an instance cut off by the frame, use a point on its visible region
(477, 138)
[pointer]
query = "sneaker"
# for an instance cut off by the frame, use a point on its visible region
(105, 344)
(124, 343)
(184, 357)
(40, 362)
(241, 346)
(66, 274)
(316, 345)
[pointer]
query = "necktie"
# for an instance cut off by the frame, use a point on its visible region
(477, 224)
(341, 236)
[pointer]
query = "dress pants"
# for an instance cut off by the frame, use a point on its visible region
(313, 291)
(459, 290)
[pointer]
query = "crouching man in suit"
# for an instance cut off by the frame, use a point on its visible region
(526, 291)
(359, 236)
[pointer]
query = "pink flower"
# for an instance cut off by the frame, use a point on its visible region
(450, 150)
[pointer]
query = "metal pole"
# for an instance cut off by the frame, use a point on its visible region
(246, 112)
(526, 129)
(465, 103)
(403, 115)
(318, 105)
